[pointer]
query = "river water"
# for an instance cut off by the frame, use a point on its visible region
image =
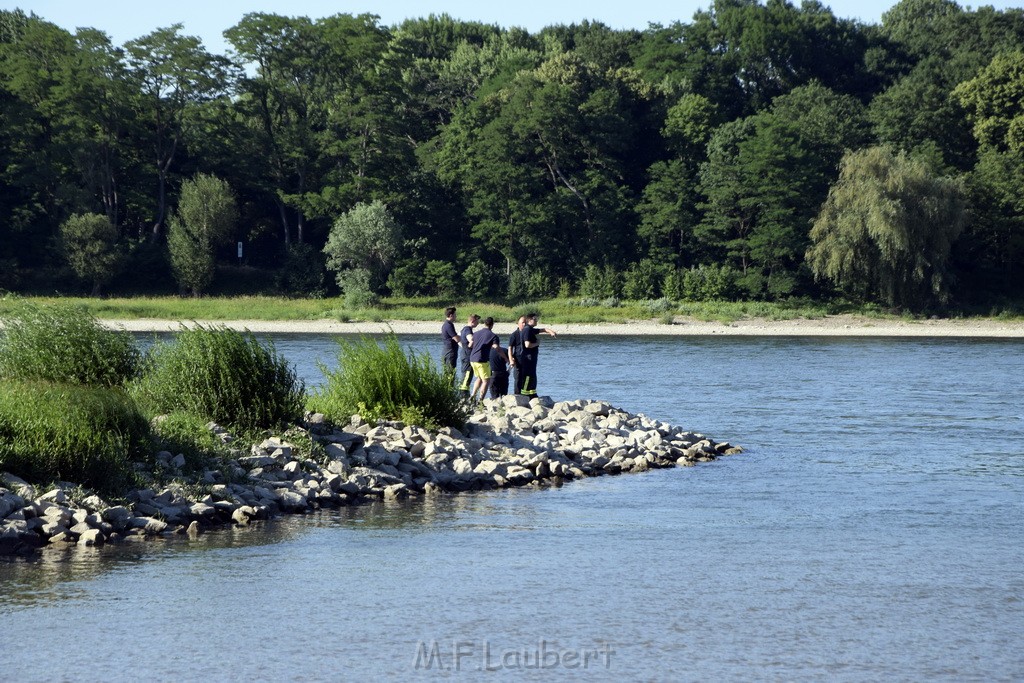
(873, 530)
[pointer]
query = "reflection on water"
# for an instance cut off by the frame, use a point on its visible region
(872, 531)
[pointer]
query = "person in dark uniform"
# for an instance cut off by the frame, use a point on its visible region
(449, 341)
(515, 353)
(465, 342)
(484, 343)
(499, 371)
(531, 347)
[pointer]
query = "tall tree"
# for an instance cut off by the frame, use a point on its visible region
(173, 73)
(995, 100)
(283, 105)
(887, 229)
(765, 179)
(545, 160)
(90, 244)
(669, 206)
(206, 218)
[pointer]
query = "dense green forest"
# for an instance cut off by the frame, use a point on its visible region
(756, 151)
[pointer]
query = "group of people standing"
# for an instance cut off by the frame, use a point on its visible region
(484, 363)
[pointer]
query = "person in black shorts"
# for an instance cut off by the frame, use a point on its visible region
(449, 341)
(528, 362)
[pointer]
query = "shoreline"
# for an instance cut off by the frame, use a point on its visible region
(831, 326)
(509, 442)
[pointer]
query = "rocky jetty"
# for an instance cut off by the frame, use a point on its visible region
(512, 441)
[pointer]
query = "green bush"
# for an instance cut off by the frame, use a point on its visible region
(441, 278)
(525, 283)
(643, 280)
(600, 282)
(221, 375)
(303, 273)
(406, 280)
(708, 283)
(87, 435)
(672, 286)
(381, 381)
(91, 247)
(478, 280)
(64, 344)
(355, 284)
(662, 305)
(185, 433)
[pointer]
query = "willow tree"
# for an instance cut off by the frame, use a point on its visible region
(886, 229)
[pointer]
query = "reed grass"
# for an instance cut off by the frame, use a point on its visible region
(379, 380)
(64, 343)
(88, 435)
(222, 375)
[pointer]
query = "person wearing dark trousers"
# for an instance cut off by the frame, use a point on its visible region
(515, 354)
(499, 372)
(449, 341)
(531, 347)
(465, 344)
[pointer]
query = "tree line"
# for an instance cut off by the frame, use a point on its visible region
(757, 151)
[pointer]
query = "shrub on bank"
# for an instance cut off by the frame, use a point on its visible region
(187, 434)
(381, 381)
(64, 344)
(87, 435)
(221, 375)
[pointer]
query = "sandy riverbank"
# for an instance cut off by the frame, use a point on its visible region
(832, 326)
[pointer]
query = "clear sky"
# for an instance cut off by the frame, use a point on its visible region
(124, 20)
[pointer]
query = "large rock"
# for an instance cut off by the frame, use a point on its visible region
(148, 525)
(56, 495)
(514, 400)
(202, 510)
(490, 467)
(18, 485)
(377, 456)
(242, 515)
(254, 461)
(91, 537)
(291, 500)
(462, 466)
(396, 491)
(9, 502)
(117, 516)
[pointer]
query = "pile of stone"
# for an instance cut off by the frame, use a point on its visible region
(512, 441)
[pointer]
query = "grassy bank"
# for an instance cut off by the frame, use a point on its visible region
(81, 402)
(555, 311)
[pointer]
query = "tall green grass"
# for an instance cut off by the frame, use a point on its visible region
(221, 375)
(64, 344)
(381, 381)
(88, 435)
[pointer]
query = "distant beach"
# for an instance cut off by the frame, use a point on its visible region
(831, 326)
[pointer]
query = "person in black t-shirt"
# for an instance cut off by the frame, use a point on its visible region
(499, 372)
(484, 343)
(449, 340)
(531, 347)
(515, 353)
(465, 342)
